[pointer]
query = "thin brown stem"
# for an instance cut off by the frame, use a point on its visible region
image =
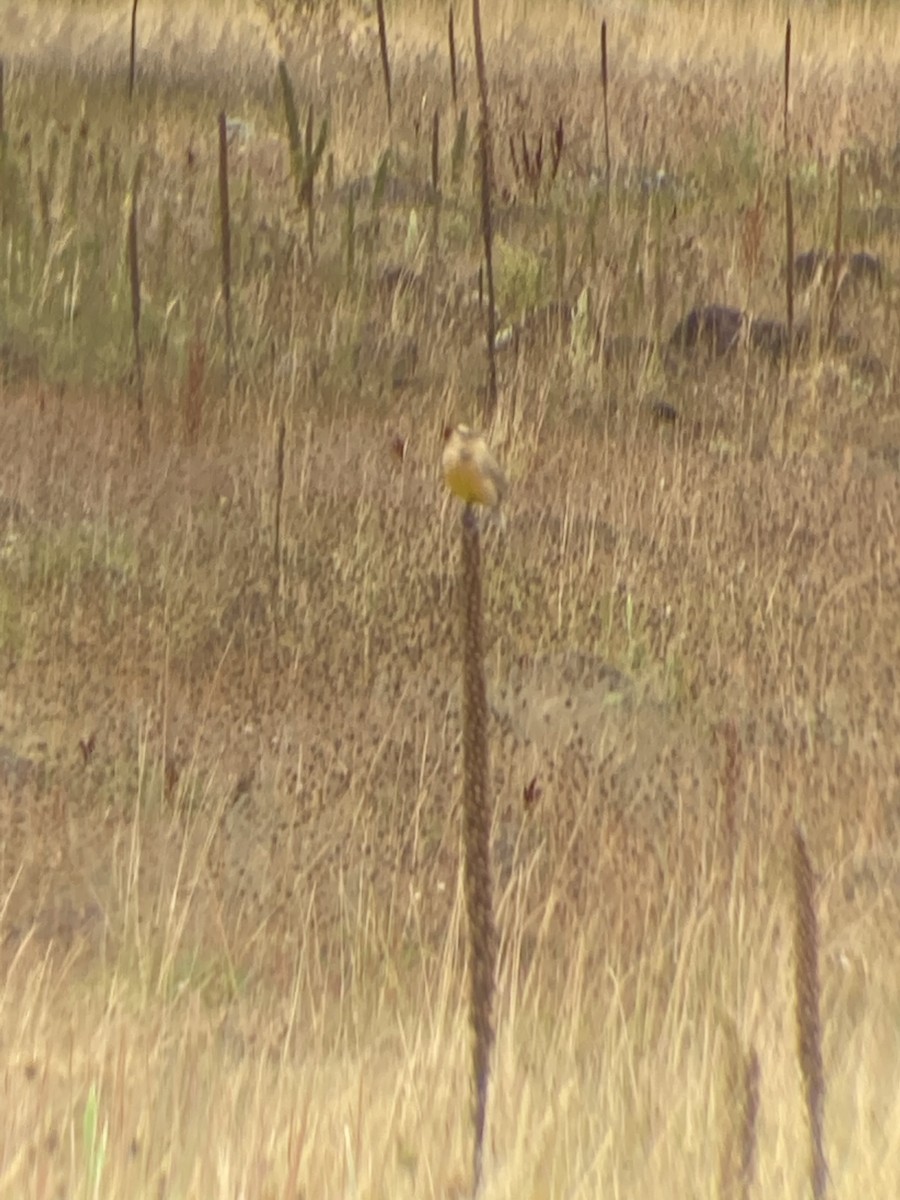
(132, 55)
(604, 74)
(477, 831)
(486, 157)
(225, 225)
(385, 61)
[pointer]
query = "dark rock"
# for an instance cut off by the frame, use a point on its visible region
(663, 412)
(714, 328)
(806, 265)
(857, 270)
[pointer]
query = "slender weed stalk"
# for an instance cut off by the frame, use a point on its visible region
(789, 267)
(385, 60)
(292, 120)
(350, 258)
(789, 241)
(809, 1027)
(132, 54)
(379, 187)
(436, 179)
(225, 224)
(6, 187)
(134, 272)
(315, 148)
(837, 256)
(560, 255)
(737, 1162)
(460, 143)
(194, 387)
(279, 496)
(731, 771)
(787, 85)
(477, 830)
(487, 172)
(451, 38)
(436, 152)
(749, 1123)
(604, 76)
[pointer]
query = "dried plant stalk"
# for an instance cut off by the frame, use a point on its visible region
(737, 1164)
(279, 495)
(749, 1123)
(477, 822)
(436, 151)
(451, 37)
(787, 83)
(731, 770)
(436, 180)
(194, 387)
(605, 80)
(487, 172)
(837, 263)
(789, 266)
(385, 61)
(809, 1029)
(134, 272)
(225, 225)
(789, 221)
(132, 54)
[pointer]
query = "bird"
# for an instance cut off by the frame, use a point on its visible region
(470, 470)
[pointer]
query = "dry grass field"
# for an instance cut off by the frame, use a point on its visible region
(231, 909)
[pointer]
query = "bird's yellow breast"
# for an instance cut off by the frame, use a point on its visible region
(465, 480)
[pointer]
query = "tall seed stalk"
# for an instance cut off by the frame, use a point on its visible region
(225, 225)
(477, 832)
(604, 76)
(787, 85)
(750, 1123)
(134, 272)
(460, 142)
(737, 1162)
(436, 179)
(132, 52)
(4, 186)
(789, 241)
(809, 1026)
(312, 161)
(487, 172)
(789, 272)
(379, 187)
(837, 256)
(451, 38)
(560, 256)
(350, 258)
(385, 61)
(279, 497)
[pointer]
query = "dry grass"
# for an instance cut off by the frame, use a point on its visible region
(230, 872)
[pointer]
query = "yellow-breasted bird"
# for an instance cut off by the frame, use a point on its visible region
(470, 470)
